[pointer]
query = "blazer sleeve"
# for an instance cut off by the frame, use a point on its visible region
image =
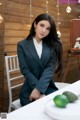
(48, 73)
(32, 80)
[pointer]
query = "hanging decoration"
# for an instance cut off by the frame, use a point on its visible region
(58, 20)
(1, 18)
(68, 9)
(47, 6)
(30, 15)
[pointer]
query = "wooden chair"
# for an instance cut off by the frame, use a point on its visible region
(12, 67)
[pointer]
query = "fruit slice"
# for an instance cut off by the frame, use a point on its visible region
(71, 96)
(60, 100)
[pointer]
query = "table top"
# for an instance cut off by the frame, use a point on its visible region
(36, 110)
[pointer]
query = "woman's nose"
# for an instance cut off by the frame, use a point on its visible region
(44, 30)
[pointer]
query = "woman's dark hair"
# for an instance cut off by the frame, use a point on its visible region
(52, 39)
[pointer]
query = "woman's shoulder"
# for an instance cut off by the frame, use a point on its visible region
(59, 42)
(24, 41)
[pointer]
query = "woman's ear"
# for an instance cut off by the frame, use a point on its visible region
(35, 25)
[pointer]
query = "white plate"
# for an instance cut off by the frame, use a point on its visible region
(71, 112)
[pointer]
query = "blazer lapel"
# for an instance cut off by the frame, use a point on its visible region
(31, 48)
(45, 54)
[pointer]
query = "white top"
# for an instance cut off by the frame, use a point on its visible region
(36, 110)
(38, 46)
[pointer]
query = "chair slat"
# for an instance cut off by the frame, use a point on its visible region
(17, 86)
(10, 63)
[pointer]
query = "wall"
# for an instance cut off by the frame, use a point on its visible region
(16, 20)
(1, 57)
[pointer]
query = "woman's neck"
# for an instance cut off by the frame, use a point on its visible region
(37, 39)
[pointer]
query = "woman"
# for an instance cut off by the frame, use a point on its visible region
(38, 56)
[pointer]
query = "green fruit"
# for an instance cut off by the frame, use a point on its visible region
(71, 96)
(60, 101)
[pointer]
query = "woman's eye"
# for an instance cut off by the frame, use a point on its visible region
(48, 29)
(42, 25)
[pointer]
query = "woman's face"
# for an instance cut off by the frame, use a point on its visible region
(42, 29)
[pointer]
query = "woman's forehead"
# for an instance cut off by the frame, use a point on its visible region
(46, 22)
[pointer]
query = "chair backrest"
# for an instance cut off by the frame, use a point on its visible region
(14, 77)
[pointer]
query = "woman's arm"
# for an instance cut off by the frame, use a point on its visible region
(48, 73)
(24, 67)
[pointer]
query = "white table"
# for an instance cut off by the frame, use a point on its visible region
(36, 110)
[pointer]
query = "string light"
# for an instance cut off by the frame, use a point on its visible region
(1, 18)
(46, 6)
(30, 13)
(68, 9)
(0, 3)
(58, 21)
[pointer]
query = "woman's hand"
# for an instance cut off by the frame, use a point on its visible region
(35, 94)
(42, 95)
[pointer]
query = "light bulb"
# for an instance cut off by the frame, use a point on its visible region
(59, 33)
(0, 3)
(1, 19)
(29, 25)
(68, 9)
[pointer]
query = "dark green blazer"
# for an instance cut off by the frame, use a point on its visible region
(38, 72)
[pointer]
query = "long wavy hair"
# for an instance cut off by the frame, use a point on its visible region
(51, 39)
